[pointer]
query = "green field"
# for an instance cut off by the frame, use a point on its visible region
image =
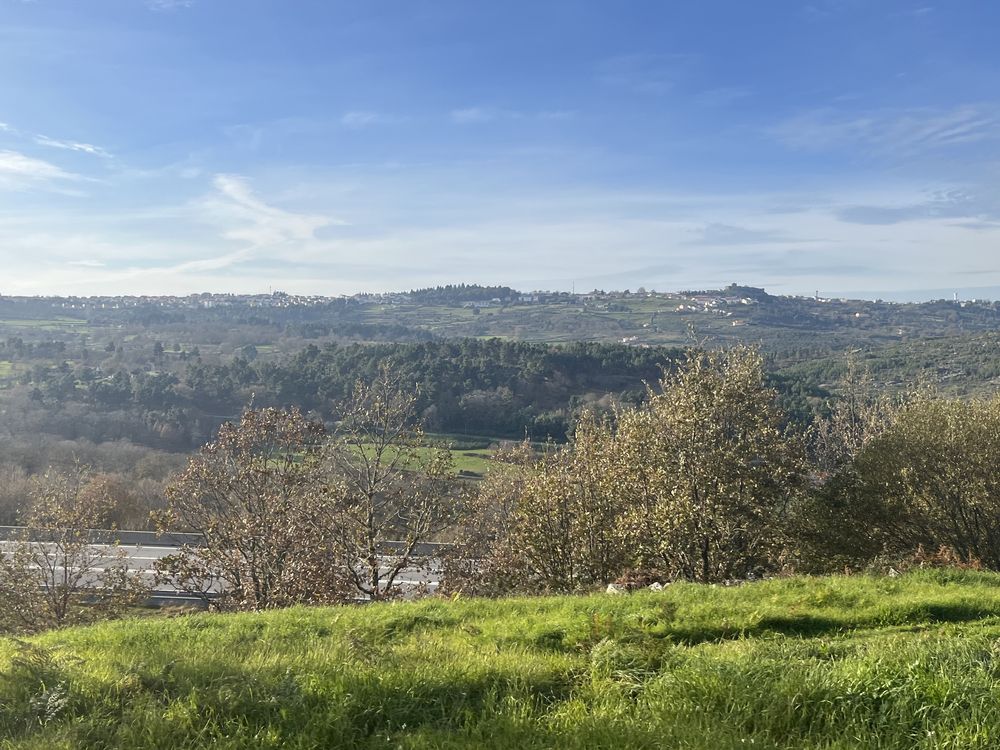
(561, 322)
(841, 662)
(472, 461)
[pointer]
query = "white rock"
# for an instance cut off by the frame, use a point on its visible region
(615, 588)
(656, 586)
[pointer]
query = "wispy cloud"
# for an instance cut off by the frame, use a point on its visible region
(728, 234)
(649, 74)
(168, 5)
(557, 114)
(890, 131)
(209, 264)
(723, 96)
(245, 136)
(916, 13)
(253, 221)
(944, 204)
(361, 118)
(481, 114)
(86, 148)
(473, 115)
(18, 170)
(59, 143)
(822, 10)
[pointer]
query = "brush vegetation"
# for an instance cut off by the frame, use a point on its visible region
(835, 662)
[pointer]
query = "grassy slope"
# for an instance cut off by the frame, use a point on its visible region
(475, 461)
(802, 663)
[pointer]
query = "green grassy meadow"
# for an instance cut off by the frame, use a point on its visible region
(840, 662)
(472, 462)
(468, 462)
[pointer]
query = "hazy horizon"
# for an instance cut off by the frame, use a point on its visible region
(980, 294)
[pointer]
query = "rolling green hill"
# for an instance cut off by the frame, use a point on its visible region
(841, 662)
(165, 372)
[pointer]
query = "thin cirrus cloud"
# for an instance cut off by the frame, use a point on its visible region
(57, 143)
(17, 170)
(722, 96)
(249, 219)
(729, 235)
(481, 115)
(893, 131)
(86, 148)
(933, 143)
(473, 115)
(978, 208)
(361, 118)
(217, 263)
(643, 73)
(168, 5)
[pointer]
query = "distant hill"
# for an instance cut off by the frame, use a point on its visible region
(165, 371)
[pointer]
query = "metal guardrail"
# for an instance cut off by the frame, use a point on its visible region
(177, 599)
(131, 538)
(164, 597)
(111, 536)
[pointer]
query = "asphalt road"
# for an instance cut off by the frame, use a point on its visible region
(142, 558)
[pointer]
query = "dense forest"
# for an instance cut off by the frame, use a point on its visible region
(479, 387)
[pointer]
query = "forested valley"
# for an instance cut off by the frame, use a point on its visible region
(131, 386)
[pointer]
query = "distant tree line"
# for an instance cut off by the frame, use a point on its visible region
(456, 294)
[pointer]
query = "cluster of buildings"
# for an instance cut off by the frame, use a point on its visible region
(278, 299)
(191, 301)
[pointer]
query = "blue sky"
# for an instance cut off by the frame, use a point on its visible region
(316, 146)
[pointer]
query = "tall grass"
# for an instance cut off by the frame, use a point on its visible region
(841, 662)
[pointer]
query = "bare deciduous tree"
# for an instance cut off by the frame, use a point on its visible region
(253, 495)
(290, 515)
(859, 415)
(385, 483)
(56, 573)
(837, 526)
